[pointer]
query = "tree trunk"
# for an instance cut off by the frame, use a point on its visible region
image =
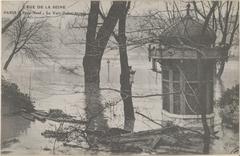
(202, 106)
(107, 28)
(94, 113)
(223, 58)
(126, 88)
(8, 60)
(91, 73)
(96, 43)
(4, 29)
(207, 19)
(221, 69)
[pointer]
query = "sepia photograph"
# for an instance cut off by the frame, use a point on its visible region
(137, 77)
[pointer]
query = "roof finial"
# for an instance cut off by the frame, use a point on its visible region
(188, 8)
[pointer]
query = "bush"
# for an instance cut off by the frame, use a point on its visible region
(11, 95)
(230, 98)
(229, 103)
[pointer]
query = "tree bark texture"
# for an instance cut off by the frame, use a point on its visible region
(8, 61)
(126, 88)
(90, 58)
(203, 106)
(96, 42)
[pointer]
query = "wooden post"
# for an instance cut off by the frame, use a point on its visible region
(182, 99)
(207, 97)
(171, 91)
(108, 62)
(156, 77)
(209, 81)
(153, 64)
(202, 105)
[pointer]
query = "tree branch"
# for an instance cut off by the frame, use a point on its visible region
(140, 96)
(197, 10)
(207, 19)
(235, 26)
(14, 19)
(104, 17)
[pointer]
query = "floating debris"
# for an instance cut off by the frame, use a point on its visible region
(41, 112)
(60, 119)
(150, 140)
(172, 139)
(59, 135)
(7, 143)
(27, 116)
(46, 149)
(56, 115)
(6, 152)
(39, 117)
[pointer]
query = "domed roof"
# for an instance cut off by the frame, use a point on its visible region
(189, 30)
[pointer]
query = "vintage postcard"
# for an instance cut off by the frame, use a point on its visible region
(149, 77)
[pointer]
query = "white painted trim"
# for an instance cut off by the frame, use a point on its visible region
(171, 106)
(181, 116)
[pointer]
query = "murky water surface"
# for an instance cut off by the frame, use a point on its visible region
(51, 87)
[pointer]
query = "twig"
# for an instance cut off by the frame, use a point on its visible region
(196, 9)
(149, 118)
(141, 96)
(61, 124)
(78, 146)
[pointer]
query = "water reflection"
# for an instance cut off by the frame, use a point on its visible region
(50, 83)
(94, 109)
(12, 127)
(94, 112)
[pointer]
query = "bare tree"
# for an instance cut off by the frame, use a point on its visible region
(225, 22)
(96, 46)
(121, 39)
(126, 88)
(29, 37)
(5, 27)
(96, 41)
(212, 16)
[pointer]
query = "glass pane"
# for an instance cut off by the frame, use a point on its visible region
(166, 100)
(191, 90)
(176, 75)
(176, 104)
(210, 91)
(165, 74)
(191, 105)
(176, 87)
(190, 74)
(176, 98)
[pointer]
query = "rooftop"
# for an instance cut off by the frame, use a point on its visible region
(189, 31)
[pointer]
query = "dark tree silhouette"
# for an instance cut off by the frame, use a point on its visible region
(126, 88)
(96, 42)
(225, 17)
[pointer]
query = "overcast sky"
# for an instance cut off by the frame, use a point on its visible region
(137, 6)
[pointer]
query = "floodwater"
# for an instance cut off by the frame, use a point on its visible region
(51, 87)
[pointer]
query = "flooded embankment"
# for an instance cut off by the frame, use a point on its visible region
(51, 87)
